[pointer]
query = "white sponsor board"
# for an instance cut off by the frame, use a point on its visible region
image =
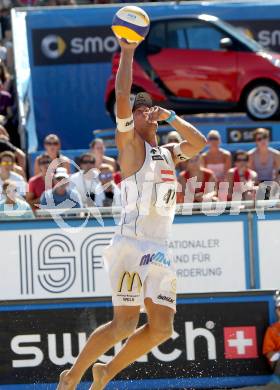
(209, 256)
(269, 249)
(52, 263)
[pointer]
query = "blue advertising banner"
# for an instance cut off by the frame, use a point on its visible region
(70, 52)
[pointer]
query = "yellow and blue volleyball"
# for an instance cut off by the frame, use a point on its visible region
(131, 23)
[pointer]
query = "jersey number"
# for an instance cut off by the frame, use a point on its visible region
(169, 196)
(165, 195)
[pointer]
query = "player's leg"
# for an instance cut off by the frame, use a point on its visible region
(158, 329)
(124, 323)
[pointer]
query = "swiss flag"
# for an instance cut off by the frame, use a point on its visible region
(240, 342)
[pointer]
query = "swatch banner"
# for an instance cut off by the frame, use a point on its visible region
(210, 338)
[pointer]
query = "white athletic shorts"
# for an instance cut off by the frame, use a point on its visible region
(140, 269)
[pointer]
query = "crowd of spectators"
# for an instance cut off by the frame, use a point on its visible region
(214, 175)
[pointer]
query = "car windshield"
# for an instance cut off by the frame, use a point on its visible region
(251, 43)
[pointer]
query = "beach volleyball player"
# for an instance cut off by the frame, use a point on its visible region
(137, 259)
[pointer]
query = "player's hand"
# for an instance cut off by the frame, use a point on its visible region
(157, 114)
(126, 45)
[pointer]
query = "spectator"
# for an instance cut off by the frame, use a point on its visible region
(3, 53)
(7, 162)
(36, 184)
(5, 77)
(263, 159)
(52, 146)
(117, 175)
(61, 195)
(173, 137)
(241, 174)
(87, 183)
(97, 147)
(12, 202)
(215, 158)
(6, 145)
(56, 3)
(271, 343)
(195, 174)
(111, 190)
(6, 102)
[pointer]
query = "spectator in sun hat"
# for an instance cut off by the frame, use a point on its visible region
(271, 343)
(216, 159)
(52, 147)
(61, 195)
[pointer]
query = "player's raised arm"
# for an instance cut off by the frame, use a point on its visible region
(193, 141)
(124, 117)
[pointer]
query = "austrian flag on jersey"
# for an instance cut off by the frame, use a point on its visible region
(167, 175)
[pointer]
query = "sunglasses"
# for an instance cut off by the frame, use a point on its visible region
(241, 160)
(260, 138)
(52, 143)
(87, 162)
(213, 139)
(6, 163)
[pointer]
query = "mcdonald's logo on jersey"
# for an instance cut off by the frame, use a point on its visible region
(130, 279)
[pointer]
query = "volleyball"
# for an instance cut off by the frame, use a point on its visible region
(131, 23)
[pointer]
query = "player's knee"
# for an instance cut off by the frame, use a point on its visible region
(124, 327)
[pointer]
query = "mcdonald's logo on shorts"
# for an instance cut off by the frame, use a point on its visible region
(130, 279)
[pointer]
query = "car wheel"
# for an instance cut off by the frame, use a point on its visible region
(263, 102)
(113, 108)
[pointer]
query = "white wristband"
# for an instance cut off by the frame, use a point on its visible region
(124, 125)
(178, 153)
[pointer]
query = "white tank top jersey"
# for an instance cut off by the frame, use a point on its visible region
(149, 197)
